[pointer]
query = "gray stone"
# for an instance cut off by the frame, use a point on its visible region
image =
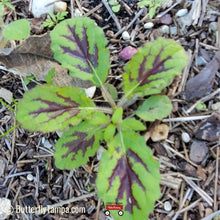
(198, 151)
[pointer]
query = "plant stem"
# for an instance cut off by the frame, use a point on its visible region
(104, 90)
(122, 140)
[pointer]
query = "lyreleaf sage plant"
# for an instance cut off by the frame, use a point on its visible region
(127, 174)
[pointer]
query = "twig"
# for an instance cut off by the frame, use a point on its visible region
(201, 192)
(93, 10)
(216, 180)
(98, 209)
(112, 14)
(182, 119)
(203, 99)
(186, 208)
(210, 217)
(74, 199)
(71, 8)
(164, 12)
(130, 24)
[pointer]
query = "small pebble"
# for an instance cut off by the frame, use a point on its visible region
(127, 53)
(173, 30)
(198, 151)
(77, 13)
(30, 177)
(181, 12)
(60, 6)
(216, 106)
(167, 206)
(160, 132)
(166, 19)
(148, 25)
(185, 137)
(213, 26)
(125, 35)
(5, 208)
(165, 29)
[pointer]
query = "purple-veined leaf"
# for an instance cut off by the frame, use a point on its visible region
(131, 178)
(79, 45)
(49, 108)
(76, 145)
(153, 67)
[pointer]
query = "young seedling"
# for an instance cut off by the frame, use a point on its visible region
(127, 174)
(152, 4)
(115, 5)
(54, 19)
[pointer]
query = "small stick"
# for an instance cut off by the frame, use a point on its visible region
(216, 180)
(182, 119)
(71, 8)
(203, 99)
(164, 12)
(210, 217)
(93, 10)
(98, 209)
(73, 199)
(112, 14)
(131, 23)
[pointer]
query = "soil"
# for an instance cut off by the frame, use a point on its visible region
(190, 185)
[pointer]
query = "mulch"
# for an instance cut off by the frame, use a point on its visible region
(190, 187)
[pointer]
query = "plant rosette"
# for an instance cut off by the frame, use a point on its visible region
(128, 173)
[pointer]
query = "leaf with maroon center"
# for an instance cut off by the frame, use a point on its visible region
(81, 49)
(130, 177)
(153, 67)
(53, 108)
(76, 145)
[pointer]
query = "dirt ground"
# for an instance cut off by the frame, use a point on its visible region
(189, 155)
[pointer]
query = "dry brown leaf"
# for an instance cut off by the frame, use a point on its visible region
(209, 130)
(34, 56)
(6, 95)
(201, 85)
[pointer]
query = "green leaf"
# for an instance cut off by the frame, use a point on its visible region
(112, 90)
(131, 178)
(28, 79)
(132, 124)
(50, 75)
(98, 118)
(76, 145)
(17, 30)
(49, 108)
(155, 107)
(109, 132)
(116, 8)
(153, 67)
(117, 116)
(79, 45)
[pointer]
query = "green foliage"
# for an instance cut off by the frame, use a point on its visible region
(28, 79)
(115, 5)
(152, 4)
(6, 3)
(49, 76)
(17, 30)
(54, 19)
(128, 173)
(155, 107)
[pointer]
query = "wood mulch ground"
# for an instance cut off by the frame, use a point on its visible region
(190, 169)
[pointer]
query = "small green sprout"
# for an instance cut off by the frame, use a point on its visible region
(54, 19)
(152, 4)
(115, 5)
